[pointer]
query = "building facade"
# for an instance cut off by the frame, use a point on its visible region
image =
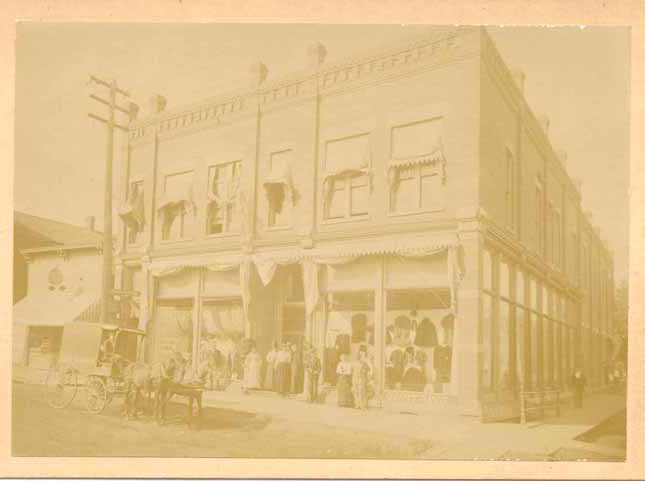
(62, 282)
(407, 201)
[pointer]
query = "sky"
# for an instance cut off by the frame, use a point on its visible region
(578, 77)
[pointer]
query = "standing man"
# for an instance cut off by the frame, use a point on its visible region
(313, 370)
(579, 382)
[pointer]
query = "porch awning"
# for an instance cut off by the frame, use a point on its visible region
(51, 309)
(415, 247)
(213, 263)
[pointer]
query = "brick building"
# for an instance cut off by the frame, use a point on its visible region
(406, 200)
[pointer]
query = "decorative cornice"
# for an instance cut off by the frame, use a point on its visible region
(354, 72)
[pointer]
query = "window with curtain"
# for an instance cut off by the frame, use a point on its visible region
(222, 332)
(346, 178)
(223, 185)
(177, 219)
(416, 167)
(134, 225)
(279, 189)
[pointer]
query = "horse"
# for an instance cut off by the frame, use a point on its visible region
(152, 381)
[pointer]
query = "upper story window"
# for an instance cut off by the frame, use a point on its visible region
(346, 180)
(557, 238)
(223, 194)
(417, 167)
(549, 233)
(176, 206)
(511, 191)
(539, 217)
(133, 212)
(279, 189)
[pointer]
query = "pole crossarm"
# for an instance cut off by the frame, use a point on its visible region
(107, 84)
(105, 121)
(106, 102)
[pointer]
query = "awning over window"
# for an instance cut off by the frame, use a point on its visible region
(133, 211)
(279, 186)
(175, 198)
(345, 157)
(51, 309)
(435, 157)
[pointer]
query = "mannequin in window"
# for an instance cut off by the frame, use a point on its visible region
(426, 335)
(413, 378)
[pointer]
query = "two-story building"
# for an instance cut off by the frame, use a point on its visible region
(405, 200)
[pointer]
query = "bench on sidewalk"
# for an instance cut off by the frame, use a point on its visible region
(539, 402)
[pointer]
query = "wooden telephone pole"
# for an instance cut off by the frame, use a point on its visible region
(111, 124)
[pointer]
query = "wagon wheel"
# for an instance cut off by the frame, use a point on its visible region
(96, 395)
(61, 386)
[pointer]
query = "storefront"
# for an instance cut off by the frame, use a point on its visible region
(528, 333)
(397, 303)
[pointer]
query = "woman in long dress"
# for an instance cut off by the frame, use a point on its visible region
(269, 375)
(360, 379)
(252, 364)
(297, 371)
(344, 382)
(283, 370)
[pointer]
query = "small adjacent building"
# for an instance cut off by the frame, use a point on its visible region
(57, 273)
(407, 200)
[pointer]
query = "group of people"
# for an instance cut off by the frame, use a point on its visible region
(354, 381)
(286, 365)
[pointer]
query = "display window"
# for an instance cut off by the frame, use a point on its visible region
(221, 336)
(418, 331)
(350, 325)
(174, 328)
(486, 342)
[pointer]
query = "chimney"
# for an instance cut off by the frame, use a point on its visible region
(157, 104)
(133, 111)
(259, 73)
(578, 183)
(519, 77)
(90, 222)
(544, 122)
(562, 155)
(316, 54)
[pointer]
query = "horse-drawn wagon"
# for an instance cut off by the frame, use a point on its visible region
(93, 358)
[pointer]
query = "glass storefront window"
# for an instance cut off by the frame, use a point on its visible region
(520, 346)
(418, 333)
(350, 326)
(504, 279)
(174, 328)
(487, 270)
(222, 332)
(557, 353)
(519, 288)
(546, 351)
(487, 343)
(535, 353)
(504, 345)
(535, 294)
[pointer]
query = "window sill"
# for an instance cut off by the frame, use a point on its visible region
(279, 228)
(222, 235)
(346, 220)
(167, 242)
(415, 212)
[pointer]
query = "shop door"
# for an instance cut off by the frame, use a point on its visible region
(293, 324)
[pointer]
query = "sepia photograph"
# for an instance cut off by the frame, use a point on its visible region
(321, 241)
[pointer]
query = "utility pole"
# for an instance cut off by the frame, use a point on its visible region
(111, 124)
